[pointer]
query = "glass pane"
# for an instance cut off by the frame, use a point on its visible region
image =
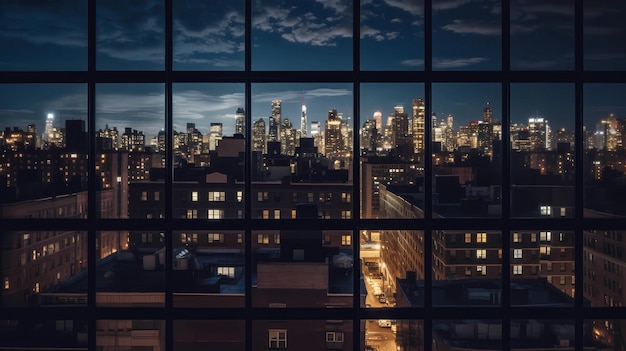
(604, 267)
(41, 268)
(43, 35)
(192, 335)
(303, 268)
(209, 35)
(467, 35)
(319, 32)
(304, 160)
(392, 266)
(391, 334)
(472, 334)
(542, 334)
(130, 35)
(43, 164)
(605, 148)
(209, 269)
(542, 35)
(130, 119)
(32, 334)
(467, 161)
(303, 334)
(142, 334)
(387, 26)
(467, 268)
(130, 269)
(604, 35)
(604, 334)
(542, 267)
(392, 149)
(542, 150)
(209, 151)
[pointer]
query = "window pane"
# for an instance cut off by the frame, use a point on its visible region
(392, 149)
(542, 261)
(309, 155)
(605, 141)
(302, 334)
(542, 333)
(130, 269)
(467, 35)
(43, 164)
(319, 32)
(130, 123)
(604, 266)
(58, 334)
(43, 36)
(303, 268)
(542, 150)
(40, 268)
(387, 26)
(542, 35)
(147, 333)
(467, 262)
(209, 35)
(467, 159)
(473, 334)
(209, 150)
(209, 269)
(209, 335)
(604, 333)
(391, 334)
(604, 32)
(130, 35)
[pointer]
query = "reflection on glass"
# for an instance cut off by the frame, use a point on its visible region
(605, 150)
(303, 268)
(320, 35)
(41, 267)
(209, 151)
(385, 27)
(130, 150)
(43, 151)
(604, 265)
(43, 36)
(542, 35)
(130, 271)
(467, 35)
(209, 335)
(605, 334)
(467, 160)
(542, 150)
(208, 269)
(209, 35)
(392, 150)
(150, 334)
(542, 267)
(543, 334)
(32, 334)
(303, 334)
(467, 268)
(472, 334)
(306, 160)
(130, 35)
(391, 334)
(603, 35)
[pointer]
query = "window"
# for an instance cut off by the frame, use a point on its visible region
(481, 254)
(309, 197)
(481, 237)
(517, 270)
(533, 237)
(482, 270)
(517, 238)
(239, 196)
(192, 214)
(545, 236)
(262, 196)
(334, 337)
(276, 214)
(144, 196)
(294, 214)
(157, 196)
(266, 214)
(194, 196)
(229, 272)
(239, 238)
(545, 210)
(215, 238)
(346, 214)
(277, 239)
(468, 238)
(545, 250)
(278, 338)
(263, 239)
(7, 286)
(517, 253)
(146, 237)
(346, 240)
(346, 197)
(215, 214)
(217, 196)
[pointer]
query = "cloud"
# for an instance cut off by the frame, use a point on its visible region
(411, 6)
(462, 26)
(439, 63)
(296, 95)
(339, 6)
(195, 104)
(448, 4)
(413, 62)
(396, 20)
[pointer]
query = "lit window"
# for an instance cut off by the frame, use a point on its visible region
(562, 280)
(263, 239)
(468, 238)
(561, 237)
(277, 239)
(545, 236)
(517, 270)
(481, 254)
(545, 210)
(346, 197)
(266, 214)
(517, 253)
(6, 283)
(334, 337)
(346, 240)
(481, 237)
(346, 214)
(192, 214)
(215, 214)
(194, 196)
(217, 196)
(239, 238)
(517, 238)
(482, 270)
(533, 237)
(276, 214)
(144, 196)
(294, 214)
(215, 238)
(278, 338)
(239, 196)
(545, 250)
(563, 211)
(226, 271)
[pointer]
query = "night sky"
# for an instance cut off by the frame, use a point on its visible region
(293, 35)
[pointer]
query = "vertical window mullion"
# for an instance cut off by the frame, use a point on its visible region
(506, 176)
(91, 180)
(169, 177)
(248, 178)
(428, 173)
(355, 217)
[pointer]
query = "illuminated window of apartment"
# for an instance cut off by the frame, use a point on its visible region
(277, 239)
(239, 238)
(346, 240)
(277, 338)
(346, 214)
(239, 196)
(482, 270)
(266, 214)
(545, 236)
(334, 337)
(192, 214)
(194, 196)
(215, 238)
(228, 272)
(517, 253)
(517, 270)
(293, 214)
(215, 214)
(517, 237)
(481, 254)
(276, 214)
(346, 197)
(6, 283)
(263, 239)
(545, 210)
(481, 237)
(144, 196)
(217, 196)
(468, 238)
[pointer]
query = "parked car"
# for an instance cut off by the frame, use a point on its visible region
(384, 323)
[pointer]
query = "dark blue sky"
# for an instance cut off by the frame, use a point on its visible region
(292, 35)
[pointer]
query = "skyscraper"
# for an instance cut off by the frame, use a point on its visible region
(215, 135)
(539, 134)
(303, 121)
(48, 131)
(418, 125)
(274, 129)
(333, 136)
(258, 136)
(240, 121)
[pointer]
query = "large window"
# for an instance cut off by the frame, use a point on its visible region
(337, 162)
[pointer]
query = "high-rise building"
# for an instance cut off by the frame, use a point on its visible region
(303, 126)
(539, 134)
(49, 126)
(258, 136)
(215, 135)
(274, 127)
(417, 128)
(333, 137)
(287, 138)
(133, 140)
(240, 121)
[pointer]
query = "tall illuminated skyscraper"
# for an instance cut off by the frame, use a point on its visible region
(418, 127)
(274, 129)
(258, 136)
(303, 121)
(539, 134)
(333, 136)
(49, 130)
(240, 121)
